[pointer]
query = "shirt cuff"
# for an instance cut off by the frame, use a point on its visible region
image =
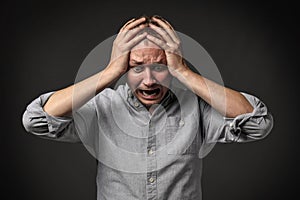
(251, 126)
(38, 122)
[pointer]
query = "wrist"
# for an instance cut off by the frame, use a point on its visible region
(182, 72)
(114, 70)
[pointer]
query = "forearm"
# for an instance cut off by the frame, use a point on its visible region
(64, 101)
(228, 102)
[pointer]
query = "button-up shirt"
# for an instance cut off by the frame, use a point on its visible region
(143, 155)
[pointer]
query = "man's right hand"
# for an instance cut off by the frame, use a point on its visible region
(63, 102)
(128, 36)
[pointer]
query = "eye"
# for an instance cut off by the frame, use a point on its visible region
(138, 68)
(159, 67)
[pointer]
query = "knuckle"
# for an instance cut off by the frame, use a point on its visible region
(178, 43)
(164, 34)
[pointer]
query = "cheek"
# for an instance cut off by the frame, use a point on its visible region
(164, 78)
(133, 80)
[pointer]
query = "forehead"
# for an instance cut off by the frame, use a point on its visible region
(147, 55)
(147, 52)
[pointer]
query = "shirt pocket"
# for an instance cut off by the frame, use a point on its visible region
(181, 138)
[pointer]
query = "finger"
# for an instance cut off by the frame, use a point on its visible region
(127, 23)
(167, 27)
(162, 19)
(134, 32)
(162, 44)
(162, 33)
(127, 28)
(136, 40)
(121, 33)
(134, 23)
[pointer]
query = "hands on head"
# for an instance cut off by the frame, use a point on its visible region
(151, 32)
(149, 83)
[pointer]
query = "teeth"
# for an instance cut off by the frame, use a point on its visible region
(145, 94)
(154, 92)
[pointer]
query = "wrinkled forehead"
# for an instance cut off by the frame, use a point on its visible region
(146, 52)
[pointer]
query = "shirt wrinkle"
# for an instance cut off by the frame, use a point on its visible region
(143, 156)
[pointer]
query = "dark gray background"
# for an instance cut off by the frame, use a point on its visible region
(253, 44)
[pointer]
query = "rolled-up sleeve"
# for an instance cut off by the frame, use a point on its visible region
(38, 122)
(250, 126)
(243, 128)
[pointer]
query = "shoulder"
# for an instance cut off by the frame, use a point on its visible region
(184, 94)
(108, 94)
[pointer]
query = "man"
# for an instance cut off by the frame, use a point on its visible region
(148, 135)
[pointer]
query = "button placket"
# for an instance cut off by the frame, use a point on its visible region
(151, 163)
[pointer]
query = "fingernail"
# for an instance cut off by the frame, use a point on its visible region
(147, 18)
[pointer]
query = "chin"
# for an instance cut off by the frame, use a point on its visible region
(148, 104)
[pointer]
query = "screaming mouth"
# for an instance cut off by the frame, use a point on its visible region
(148, 93)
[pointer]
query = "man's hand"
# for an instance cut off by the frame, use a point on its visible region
(171, 43)
(228, 102)
(63, 102)
(128, 36)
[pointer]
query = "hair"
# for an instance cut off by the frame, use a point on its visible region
(149, 20)
(149, 30)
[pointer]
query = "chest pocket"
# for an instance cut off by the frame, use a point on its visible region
(181, 136)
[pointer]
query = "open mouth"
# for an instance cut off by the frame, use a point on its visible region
(149, 93)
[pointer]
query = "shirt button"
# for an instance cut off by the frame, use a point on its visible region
(181, 123)
(151, 180)
(136, 104)
(150, 152)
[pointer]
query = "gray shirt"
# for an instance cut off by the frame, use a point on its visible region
(148, 156)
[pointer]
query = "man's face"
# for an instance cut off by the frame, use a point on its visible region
(148, 76)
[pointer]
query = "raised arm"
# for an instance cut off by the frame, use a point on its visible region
(62, 102)
(228, 102)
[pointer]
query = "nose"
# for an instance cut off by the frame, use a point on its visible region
(148, 79)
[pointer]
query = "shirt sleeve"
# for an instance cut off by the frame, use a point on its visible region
(243, 128)
(38, 122)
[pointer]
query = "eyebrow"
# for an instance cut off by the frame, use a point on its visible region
(141, 62)
(137, 62)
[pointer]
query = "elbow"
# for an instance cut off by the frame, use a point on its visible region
(28, 126)
(256, 128)
(264, 127)
(33, 126)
